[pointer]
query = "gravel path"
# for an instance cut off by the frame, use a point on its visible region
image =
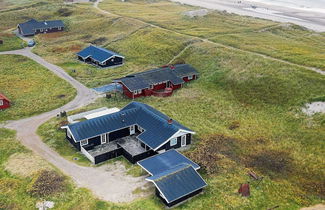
(107, 182)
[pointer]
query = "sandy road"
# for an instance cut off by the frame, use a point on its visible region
(106, 182)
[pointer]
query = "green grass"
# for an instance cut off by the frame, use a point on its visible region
(291, 43)
(54, 137)
(261, 96)
(14, 193)
(11, 42)
(31, 88)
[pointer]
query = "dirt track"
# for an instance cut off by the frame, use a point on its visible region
(106, 182)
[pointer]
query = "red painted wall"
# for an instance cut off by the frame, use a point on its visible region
(187, 80)
(159, 87)
(6, 104)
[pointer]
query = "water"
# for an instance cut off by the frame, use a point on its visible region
(310, 5)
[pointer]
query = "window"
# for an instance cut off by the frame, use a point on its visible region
(83, 142)
(132, 129)
(41, 30)
(173, 142)
(140, 129)
(1, 102)
(190, 77)
(139, 91)
(103, 138)
(151, 86)
(135, 92)
(59, 28)
(183, 141)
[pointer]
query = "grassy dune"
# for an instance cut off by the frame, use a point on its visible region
(291, 43)
(31, 88)
(10, 42)
(14, 187)
(245, 106)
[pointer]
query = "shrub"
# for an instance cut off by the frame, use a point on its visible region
(209, 153)
(46, 183)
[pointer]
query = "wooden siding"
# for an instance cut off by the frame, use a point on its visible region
(76, 145)
(180, 200)
(6, 104)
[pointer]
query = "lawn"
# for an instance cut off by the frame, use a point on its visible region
(31, 88)
(10, 42)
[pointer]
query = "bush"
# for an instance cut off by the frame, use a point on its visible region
(209, 153)
(46, 183)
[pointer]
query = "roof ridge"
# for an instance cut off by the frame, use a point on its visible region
(186, 166)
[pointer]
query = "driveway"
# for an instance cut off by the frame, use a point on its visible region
(106, 182)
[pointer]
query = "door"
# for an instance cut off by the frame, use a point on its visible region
(183, 141)
(168, 84)
(132, 129)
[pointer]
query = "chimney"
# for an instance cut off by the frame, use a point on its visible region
(170, 121)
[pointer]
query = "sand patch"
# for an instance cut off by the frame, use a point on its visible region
(316, 207)
(313, 108)
(25, 164)
(196, 13)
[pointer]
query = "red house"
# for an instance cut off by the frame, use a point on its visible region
(158, 82)
(4, 102)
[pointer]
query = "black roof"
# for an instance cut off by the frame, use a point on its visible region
(156, 126)
(143, 80)
(29, 27)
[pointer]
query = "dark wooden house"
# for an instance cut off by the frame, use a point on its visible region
(100, 57)
(4, 102)
(137, 131)
(33, 27)
(158, 82)
(175, 177)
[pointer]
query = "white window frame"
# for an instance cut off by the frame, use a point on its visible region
(173, 142)
(140, 128)
(139, 91)
(190, 77)
(152, 86)
(132, 129)
(83, 142)
(103, 139)
(135, 92)
(1, 102)
(41, 30)
(59, 28)
(183, 141)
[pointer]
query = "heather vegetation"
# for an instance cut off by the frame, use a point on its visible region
(245, 108)
(10, 42)
(31, 88)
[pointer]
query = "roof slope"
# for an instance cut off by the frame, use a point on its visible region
(156, 127)
(3, 97)
(178, 182)
(97, 53)
(165, 161)
(143, 80)
(29, 27)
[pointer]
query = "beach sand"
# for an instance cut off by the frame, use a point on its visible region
(310, 19)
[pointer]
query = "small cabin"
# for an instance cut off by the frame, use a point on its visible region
(136, 132)
(33, 27)
(4, 102)
(175, 177)
(100, 57)
(157, 82)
